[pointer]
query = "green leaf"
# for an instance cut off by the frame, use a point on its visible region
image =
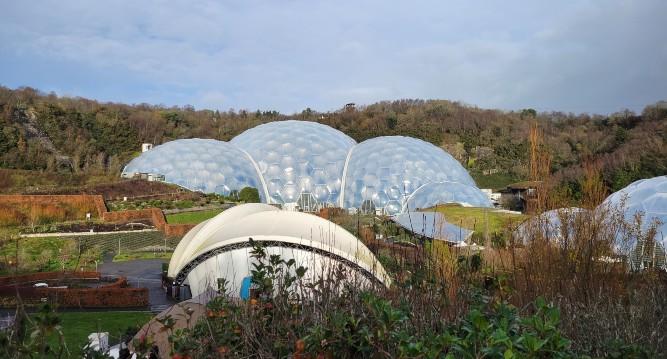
(509, 354)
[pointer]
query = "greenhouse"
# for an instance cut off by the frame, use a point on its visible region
(204, 165)
(645, 200)
(556, 226)
(307, 166)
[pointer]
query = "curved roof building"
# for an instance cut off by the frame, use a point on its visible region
(648, 198)
(204, 165)
(300, 162)
(307, 166)
(434, 193)
(384, 171)
(555, 226)
(220, 248)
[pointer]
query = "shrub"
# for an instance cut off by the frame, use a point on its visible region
(249, 195)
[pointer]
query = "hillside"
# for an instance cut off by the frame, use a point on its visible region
(78, 138)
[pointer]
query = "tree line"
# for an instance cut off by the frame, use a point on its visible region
(68, 135)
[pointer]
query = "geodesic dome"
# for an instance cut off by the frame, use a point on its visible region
(301, 162)
(435, 193)
(220, 248)
(204, 165)
(647, 197)
(555, 226)
(432, 225)
(385, 171)
(307, 166)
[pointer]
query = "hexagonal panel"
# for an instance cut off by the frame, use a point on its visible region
(401, 165)
(198, 164)
(309, 149)
(648, 197)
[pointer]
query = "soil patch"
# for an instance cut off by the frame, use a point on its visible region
(132, 189)
(105, 227)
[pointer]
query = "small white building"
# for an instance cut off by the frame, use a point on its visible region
(99, 341)
(145, 147)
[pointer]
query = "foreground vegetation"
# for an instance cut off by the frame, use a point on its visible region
(525, 301)
(465, 311)
(76, 326)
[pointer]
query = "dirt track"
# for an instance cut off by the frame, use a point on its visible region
(132, 189)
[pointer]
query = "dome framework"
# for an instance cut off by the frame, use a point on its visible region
(307, 166)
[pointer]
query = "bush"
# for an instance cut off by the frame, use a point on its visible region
(249, 195)
(354, 323)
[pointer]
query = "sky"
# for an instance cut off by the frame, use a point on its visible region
(588, 56)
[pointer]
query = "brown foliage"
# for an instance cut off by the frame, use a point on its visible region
(116, 294)
(177, 230)
(155, 214)
(19, 209)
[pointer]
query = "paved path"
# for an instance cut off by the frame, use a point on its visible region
(143, 273)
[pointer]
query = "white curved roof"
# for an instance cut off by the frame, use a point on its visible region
(265, 223)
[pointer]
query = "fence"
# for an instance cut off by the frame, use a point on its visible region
(126, 241)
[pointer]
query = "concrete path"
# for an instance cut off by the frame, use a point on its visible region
(141, 273)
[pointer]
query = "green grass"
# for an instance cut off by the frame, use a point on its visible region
(192, 217)
(76, 326)
(132, 256)
(476, 218)
(494, 181)
(44, 254)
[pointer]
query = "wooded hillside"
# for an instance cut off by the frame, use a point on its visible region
(64, 136)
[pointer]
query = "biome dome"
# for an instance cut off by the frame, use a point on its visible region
(383, 172)
(204, 165)
(300, 162)
(307, 166)
(555, 226)
(435, 193)
(648, 198)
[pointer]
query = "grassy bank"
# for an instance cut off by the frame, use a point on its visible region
(192, 217)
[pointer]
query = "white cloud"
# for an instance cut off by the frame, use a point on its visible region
(288, 55)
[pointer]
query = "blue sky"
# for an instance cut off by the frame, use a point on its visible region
(597, 56)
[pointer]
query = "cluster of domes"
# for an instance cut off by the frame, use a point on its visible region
(308, 165)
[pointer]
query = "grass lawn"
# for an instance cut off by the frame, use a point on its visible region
(476, 218)
(494, 181)
(76, 326)
(192, 217)
(132, 256)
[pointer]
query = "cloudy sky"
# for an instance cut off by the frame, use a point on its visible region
(596, 56)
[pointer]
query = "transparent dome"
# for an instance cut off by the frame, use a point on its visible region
(301, 162)
(648, 197)
(383, 172)
(556, 226)
(435, 193)
(204, 165)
